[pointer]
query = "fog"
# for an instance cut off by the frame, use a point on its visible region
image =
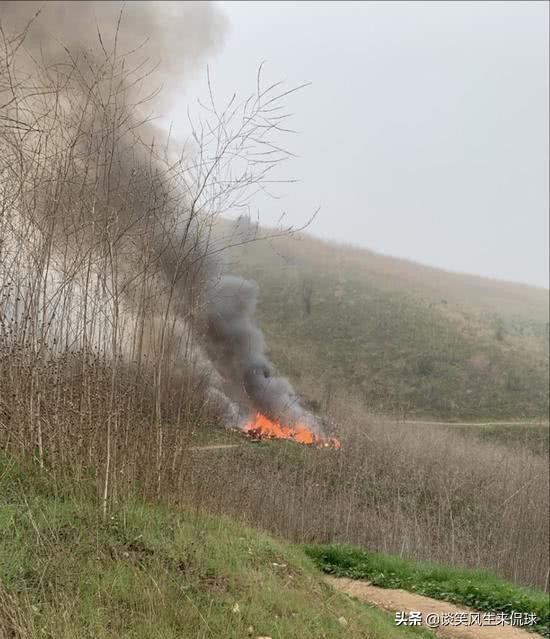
(424, 133)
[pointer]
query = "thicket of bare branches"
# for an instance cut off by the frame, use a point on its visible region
(106, 251)
(422, 492)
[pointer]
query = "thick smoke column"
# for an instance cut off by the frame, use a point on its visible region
(237, 346)
(164, 39)
(176, 35)
(89, 78)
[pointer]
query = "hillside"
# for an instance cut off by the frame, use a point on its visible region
(151, 571)
(405, 338)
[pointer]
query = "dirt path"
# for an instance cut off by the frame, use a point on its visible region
(214, 447)
(407, 602)
(420, 422)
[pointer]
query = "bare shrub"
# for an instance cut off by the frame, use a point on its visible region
(106, 252)
(423, 492)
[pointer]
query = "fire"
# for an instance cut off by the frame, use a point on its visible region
(262, 427)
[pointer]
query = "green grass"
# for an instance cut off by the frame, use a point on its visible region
(151, 571)
(403, 338)
(477, 589)
(207, 434)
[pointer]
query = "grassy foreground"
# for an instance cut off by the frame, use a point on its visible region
(477, 589)
(152, 571)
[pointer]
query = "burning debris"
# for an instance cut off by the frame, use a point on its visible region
(162, 299)
(261, 427)
(236, 346)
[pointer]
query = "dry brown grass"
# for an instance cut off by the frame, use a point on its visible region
(421, 492)
(15, 616)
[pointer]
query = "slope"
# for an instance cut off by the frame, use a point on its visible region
(152, 571)
(405, 338)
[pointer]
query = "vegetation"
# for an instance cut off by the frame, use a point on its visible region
(474, 588)
(422, 492)
(106, 389)
(153, 571)
(534, 436)
(403, 338)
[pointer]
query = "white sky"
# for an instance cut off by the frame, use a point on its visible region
(425, 132)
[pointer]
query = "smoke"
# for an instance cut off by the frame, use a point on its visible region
(166, 40)
(102, 74)
(124, 61)
(237, 347)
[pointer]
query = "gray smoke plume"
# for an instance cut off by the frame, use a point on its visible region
(163, 41)
(166, 40)
(237, 347)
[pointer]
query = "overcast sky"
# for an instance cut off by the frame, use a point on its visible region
(424, 133)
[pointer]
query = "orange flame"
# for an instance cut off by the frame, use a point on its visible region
(261, 427)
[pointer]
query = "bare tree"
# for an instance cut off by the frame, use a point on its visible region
(108, 241)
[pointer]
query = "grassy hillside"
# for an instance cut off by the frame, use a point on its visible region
(405, 338)
(151, 571)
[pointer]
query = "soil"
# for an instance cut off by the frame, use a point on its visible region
(214, 447)
(403, 601)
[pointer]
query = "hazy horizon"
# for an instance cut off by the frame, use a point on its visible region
(424, 133)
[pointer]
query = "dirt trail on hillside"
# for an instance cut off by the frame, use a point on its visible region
(407, 602)
(420, 422)
(214, 447)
